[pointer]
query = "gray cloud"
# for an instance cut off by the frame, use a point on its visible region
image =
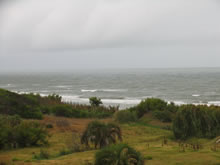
(71, 24)
(74, 34)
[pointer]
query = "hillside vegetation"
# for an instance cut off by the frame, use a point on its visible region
(154, 132)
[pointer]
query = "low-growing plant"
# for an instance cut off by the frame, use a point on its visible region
(148, 158)
(74, 143)
(49, 125)
(120, 154)
(44, 154)
(64, 151)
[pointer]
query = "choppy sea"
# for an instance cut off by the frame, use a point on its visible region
(125, 87)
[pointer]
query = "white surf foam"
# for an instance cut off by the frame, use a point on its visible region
(196, 95)
(88, 90)
(104, 90)
(78, 99)
(217, 103)
(62, 86)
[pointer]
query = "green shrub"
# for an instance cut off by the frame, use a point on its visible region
(62, 110)
(45, 110)
(120, 154)
(31, 134)
(150, 104)
(15, 133)
(81, 111)
(24, 105)
(125, 116)
(164, 116)
(197, 121)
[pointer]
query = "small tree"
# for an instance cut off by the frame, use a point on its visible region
(94, 101)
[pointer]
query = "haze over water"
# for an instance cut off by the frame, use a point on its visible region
(125, 87)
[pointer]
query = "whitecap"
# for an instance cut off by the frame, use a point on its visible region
(88, 90)
(61, 86)
(113, 90)
(196, 95)
(121, 101)
(104, 90)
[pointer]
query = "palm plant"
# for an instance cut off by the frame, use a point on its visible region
(101, 134)
(120, 154)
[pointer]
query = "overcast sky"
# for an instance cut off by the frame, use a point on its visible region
(53, 35)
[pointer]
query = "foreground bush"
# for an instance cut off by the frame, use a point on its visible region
(197, 121)
(101, 134)
(120, 154)
(15, 133)
(125, 116)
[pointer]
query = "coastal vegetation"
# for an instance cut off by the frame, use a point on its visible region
(15, 133)
(101, 134)
(153, 132)
(120, 154)
(34, 106)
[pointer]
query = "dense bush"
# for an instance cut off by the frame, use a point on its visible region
(24, 105)
(197, 121)
(164, 116)
(120, 154)
(160, 109)
(125, 116)
(101, 134)
(16, 133)
(150, 104)
(82, 111)
(33, 106)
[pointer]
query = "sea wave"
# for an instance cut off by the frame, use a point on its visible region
(196, 95)
(78, 99)
(6, 85)
(104, 90)
(61, 86)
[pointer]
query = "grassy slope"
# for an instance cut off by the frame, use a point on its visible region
(138, 136)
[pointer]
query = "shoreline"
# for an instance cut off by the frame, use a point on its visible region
(123, 103)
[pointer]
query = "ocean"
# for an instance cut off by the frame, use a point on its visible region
(123, 87)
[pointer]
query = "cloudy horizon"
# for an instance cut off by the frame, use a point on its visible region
(66, 35)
